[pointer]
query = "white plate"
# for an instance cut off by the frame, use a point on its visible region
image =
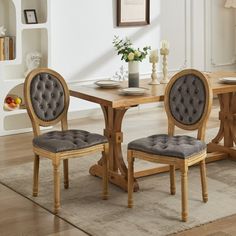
(133, 91)
(107, 83)
(228, 80)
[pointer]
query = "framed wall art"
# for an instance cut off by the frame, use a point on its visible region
(133, 12)
(30, 16)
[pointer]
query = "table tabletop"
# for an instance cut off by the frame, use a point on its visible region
(154, 93)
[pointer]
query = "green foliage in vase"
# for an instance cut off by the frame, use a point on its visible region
(124, 47)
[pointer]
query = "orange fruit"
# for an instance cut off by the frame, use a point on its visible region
(12, 105)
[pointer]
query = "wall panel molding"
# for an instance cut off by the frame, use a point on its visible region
(219, 24)
(187, 60)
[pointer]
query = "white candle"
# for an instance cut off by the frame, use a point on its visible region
(154, 53)
(165, 44)
(153, 56)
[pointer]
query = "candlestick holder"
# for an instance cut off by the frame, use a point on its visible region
(164, 52)
(154, 80)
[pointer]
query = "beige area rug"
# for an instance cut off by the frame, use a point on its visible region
(156, 212)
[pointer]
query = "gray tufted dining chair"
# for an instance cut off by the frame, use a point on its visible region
(188, 99)
(47, 100)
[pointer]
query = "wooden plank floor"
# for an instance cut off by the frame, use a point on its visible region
(20, 216)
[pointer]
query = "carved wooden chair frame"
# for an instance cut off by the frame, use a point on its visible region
(173, 162)
(65, 155)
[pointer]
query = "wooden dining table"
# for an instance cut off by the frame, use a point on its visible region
(114, 106)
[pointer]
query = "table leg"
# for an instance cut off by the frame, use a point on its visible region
(117, 167)
(227, 130)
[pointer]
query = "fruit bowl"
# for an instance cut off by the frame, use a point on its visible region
(12, 102)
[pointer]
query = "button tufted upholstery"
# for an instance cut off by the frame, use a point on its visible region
(47, 96)
(187, 99)
(59, 141)
(47, 100)
(162, 144)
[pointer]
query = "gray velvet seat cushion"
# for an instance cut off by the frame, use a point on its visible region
(177, 146)
(59, 141)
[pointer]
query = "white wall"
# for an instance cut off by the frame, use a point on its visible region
(82, 47)
(200, 32)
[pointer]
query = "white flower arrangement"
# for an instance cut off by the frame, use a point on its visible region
(124, 48)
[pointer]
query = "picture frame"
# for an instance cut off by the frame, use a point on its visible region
(30, 16)
(133, 12)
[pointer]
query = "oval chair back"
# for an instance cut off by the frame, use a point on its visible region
(47, 98)
(188, 99)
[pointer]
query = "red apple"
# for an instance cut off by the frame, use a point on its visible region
(9, 100)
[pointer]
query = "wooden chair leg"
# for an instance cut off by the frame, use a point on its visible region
(184, 190)
(105, 171)
(130, 159)
(56, 172)
(203, 181)
(66, 173)
(172, 180)
(36, 175)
